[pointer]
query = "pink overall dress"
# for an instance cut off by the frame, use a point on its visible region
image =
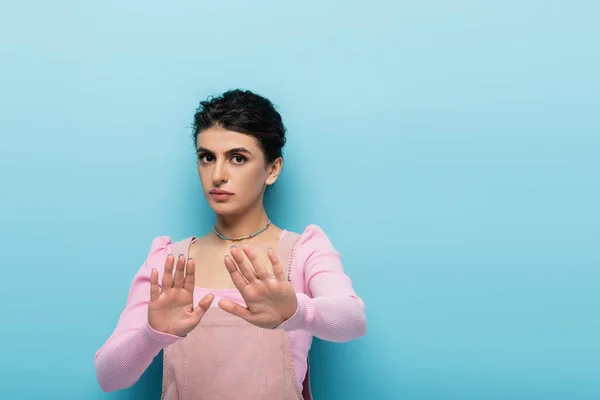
(227, 358)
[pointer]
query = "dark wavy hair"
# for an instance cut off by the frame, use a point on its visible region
(244, 112)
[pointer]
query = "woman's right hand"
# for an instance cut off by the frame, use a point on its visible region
(171, 310)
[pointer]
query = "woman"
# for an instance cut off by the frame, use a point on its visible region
(264, 291)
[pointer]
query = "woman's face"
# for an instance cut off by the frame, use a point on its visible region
(232, 170)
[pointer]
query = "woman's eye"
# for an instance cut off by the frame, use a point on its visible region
(238, 159)
(206, 158)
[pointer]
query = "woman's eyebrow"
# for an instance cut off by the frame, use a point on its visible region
(228, 152)
(238, 150)
(201, 149)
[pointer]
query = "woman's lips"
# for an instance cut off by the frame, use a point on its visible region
(218, 194)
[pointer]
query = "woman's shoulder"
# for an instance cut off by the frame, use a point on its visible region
(162, 245)
(163, 242)
(314, 252)
(313, 238)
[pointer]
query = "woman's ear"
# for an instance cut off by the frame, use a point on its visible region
(273, 171)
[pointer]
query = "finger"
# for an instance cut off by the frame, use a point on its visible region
(167, 279)
(179, 272)
(277, 267)
(154, 291)
(235, 309)
(237, 278)
(259, 269)
(190, 276)
(203, 306)
(246, 271)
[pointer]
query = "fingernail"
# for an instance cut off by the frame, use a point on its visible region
(233, 247)
(181, 255)
(170, 254)
(189, 258)
(246, 245)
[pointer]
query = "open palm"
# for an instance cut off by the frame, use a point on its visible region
(171, 309)
(270, 299)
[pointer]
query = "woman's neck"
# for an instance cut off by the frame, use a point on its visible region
(247, 223)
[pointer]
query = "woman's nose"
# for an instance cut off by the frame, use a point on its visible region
(219, 175)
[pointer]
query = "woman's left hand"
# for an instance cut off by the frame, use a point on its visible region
(270, 299)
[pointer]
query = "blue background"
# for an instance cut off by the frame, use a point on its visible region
(450, 149)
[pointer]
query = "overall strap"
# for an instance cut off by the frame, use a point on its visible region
(286, 251)
(181, 247)
(286, 256)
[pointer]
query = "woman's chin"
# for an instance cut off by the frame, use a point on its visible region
(223, 208)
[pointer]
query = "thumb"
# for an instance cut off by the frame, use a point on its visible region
(203, 306)
(236, 309)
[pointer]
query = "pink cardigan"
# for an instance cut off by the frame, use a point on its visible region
(328, 308)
